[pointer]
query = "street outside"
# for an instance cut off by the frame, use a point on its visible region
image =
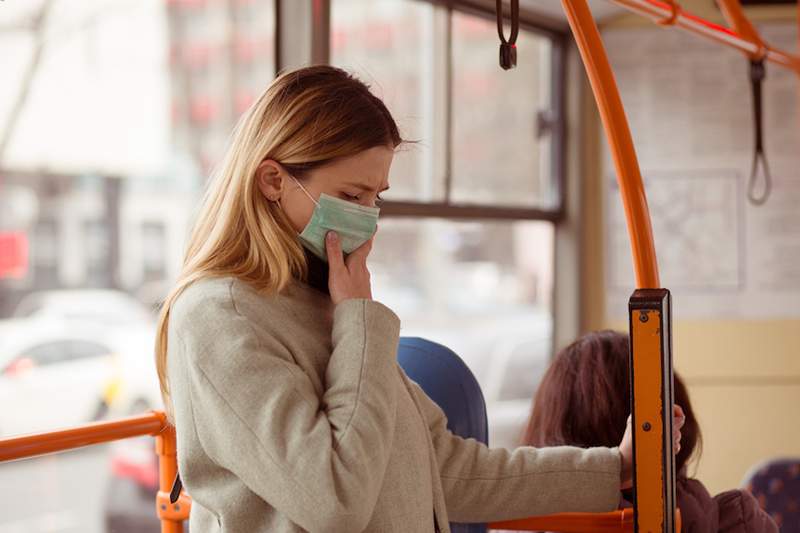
(62, 493)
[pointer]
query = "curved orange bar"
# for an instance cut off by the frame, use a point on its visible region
(614, 522)
(619, 139)
(658, 10)
(734, 14)
(67, 439)
(153, 423)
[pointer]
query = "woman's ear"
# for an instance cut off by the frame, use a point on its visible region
(270, 177)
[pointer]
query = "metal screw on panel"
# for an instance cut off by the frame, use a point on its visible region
(163, 507)
(643, 316)
(646, 426)
(177, 507)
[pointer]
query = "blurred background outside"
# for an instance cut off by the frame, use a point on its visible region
(112, 115)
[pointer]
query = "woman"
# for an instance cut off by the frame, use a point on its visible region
(278, 368)
(583, 399)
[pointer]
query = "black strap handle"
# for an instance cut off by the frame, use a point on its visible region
(508, 48)
(757, 74)
(177, 486)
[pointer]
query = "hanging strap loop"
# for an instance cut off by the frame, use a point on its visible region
(508, 48)
(757, 74)
(675, 11)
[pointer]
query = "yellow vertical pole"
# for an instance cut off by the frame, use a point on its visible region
(651, 378)
(650, 330)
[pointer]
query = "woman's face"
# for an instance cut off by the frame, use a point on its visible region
(359, 179)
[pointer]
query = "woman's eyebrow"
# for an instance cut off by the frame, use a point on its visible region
(365, 187)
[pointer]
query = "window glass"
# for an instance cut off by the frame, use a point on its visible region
(481, 289)
(489, 129)
(112, 114)
(501, 155)
(396, 47)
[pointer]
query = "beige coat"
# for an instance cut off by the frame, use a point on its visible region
(293, 415)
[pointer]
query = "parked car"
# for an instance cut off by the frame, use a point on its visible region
(67, 373)
(99, 306)
(61, 374)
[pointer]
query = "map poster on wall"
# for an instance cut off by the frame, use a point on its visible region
(689, 106)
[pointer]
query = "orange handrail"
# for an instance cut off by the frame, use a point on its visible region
(26, 446)
(658, 485)
(738, 21)
(153, 424)
(739, 38)
(614, 522)
(619, 138)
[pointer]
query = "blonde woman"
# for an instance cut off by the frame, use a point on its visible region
(278, 368)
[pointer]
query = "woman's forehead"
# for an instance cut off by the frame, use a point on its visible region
(368, 169)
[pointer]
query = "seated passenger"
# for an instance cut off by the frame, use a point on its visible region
(583, 400)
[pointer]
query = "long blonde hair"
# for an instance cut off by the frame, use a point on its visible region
(304, 119)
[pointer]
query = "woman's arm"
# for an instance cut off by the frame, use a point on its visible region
(319, 461)
(484, 484)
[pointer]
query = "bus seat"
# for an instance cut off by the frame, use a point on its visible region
(776, 486)
(450, 383)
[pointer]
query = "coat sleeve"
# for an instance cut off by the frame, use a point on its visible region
(320, 461)
(483, 484)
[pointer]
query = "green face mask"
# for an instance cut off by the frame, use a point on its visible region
(354, 224)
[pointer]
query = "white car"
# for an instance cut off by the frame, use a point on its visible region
(52, 375)
(56, 373)
(98, 306)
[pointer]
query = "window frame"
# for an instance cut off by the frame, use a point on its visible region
(448, 209)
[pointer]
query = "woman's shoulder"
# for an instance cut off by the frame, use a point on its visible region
(218, 306)
(217, 296)
(208, 296)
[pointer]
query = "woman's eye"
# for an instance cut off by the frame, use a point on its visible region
(351, 197)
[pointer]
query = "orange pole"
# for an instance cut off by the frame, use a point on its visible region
(657, 10)
(619, 139)
(172, 515)
(613, 522)
(153, 423)
(67, 439)
(738, 21)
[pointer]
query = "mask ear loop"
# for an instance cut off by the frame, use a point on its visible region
(304, 189)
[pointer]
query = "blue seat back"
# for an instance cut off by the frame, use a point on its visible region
(448, 381)
(776, 486)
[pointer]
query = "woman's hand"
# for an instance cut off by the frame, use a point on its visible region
(626, 446)
(348, 278)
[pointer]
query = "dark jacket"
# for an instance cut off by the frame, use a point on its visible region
(733, 511)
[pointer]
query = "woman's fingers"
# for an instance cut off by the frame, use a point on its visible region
(334, 250)
(361, 253)
(678, 420)
(678, 414)
(349, 278)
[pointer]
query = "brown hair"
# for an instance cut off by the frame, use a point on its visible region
(305, 119)
(584, 398)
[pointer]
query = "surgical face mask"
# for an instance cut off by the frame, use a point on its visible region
(354, 224)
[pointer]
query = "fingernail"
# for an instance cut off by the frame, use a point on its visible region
(331, 236)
